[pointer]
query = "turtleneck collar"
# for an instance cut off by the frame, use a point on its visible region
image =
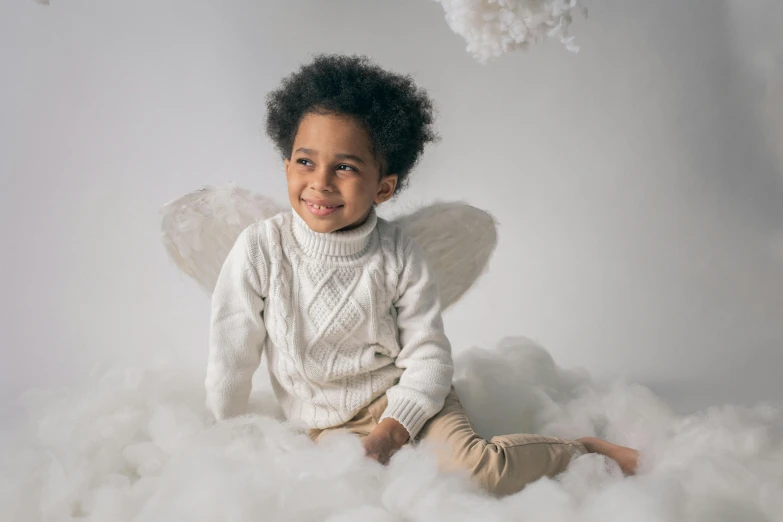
(333, 244)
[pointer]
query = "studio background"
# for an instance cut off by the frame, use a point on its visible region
(637, 183)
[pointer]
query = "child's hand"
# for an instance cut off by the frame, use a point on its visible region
(384, 440)
(626, 458)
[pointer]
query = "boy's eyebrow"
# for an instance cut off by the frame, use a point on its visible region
(339, 155)
(357, 159)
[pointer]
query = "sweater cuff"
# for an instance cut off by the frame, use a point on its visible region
(407, 413)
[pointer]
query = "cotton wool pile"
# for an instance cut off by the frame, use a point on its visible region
(137, 445)
(493, 27)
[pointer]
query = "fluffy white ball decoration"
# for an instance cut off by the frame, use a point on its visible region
(493, 27)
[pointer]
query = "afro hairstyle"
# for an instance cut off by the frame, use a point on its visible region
(397, 114)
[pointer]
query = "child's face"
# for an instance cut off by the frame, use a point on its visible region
(332, 167)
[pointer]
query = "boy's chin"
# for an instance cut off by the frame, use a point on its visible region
(323, 225)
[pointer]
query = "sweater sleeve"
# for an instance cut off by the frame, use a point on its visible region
(237, 331)
(425, 356)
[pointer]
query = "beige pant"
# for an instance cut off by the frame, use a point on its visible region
(502, 466)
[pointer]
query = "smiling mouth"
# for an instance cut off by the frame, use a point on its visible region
(322, 210)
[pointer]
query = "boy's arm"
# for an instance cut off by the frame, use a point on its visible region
(237, 329)
(426, 352)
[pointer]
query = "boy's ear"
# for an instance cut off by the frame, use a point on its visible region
(386, 188)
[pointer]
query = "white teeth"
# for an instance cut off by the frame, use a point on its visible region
(317, 206)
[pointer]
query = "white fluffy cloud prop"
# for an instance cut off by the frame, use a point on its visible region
(137, 445)
(493, 27)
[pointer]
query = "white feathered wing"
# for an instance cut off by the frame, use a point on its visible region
(200, 228)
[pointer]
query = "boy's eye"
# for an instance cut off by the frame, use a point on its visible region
(342, 167)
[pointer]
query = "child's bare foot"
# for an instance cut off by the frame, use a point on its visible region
(626, 458)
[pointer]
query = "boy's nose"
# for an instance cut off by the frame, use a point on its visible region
(322, 180)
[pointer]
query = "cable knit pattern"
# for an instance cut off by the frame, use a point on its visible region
(344, 318)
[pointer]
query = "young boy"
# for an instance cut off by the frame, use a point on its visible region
(343, 302)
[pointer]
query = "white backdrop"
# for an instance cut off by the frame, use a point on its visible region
(641, 209)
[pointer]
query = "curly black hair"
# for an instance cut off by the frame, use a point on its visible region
(397, 114)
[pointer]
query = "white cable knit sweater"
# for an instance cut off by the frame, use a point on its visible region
(344, 318)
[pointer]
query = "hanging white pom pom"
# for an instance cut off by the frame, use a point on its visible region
(493, 27)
